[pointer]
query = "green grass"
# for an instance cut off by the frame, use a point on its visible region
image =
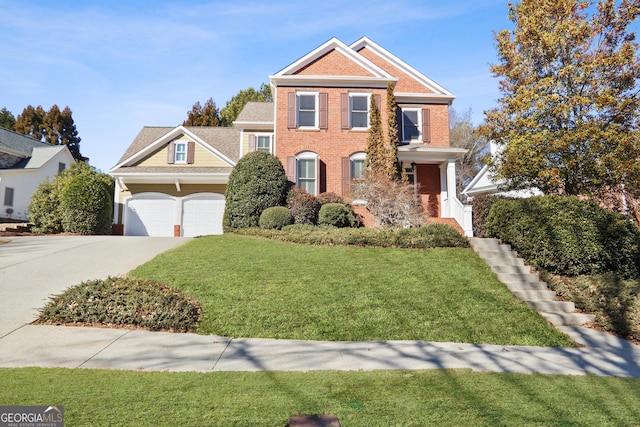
(379, 398)
(252, 287)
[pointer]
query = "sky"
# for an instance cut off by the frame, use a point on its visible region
(123, 65)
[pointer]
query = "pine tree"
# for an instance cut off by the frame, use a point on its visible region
(31, 122)
(7, 120)
(203, 116)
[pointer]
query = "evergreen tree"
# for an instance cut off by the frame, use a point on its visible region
(203, 116)
(395, 170)
(376, 161)
(7, 120)
(31, 122)
(235, 105)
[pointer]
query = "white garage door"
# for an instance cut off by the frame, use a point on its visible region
(150, 214)
(202, 214)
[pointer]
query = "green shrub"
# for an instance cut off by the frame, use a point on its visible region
(481, 205)
(87, 205)
(427, 236)
(257, 182)
(336, 214)
(303, 206)
(275, 217)
(121, 301)
(567, 236)
(84, 206)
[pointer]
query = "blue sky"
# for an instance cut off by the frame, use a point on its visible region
(120, 66)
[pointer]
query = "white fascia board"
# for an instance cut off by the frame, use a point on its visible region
(331, 81)
(412, 98)
(254, 125)
(400, 64)
(474, 182)
(166, 138)
(170, 178)
(333, 44)
(429, 154)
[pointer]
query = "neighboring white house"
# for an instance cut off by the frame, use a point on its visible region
(24, 164)
(485, 182)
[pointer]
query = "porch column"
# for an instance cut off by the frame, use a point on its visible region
(448, 187)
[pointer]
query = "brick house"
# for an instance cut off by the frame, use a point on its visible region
(317, 125)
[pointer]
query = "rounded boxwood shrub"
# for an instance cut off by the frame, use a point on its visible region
(336, 214)
(275, 217)
(87, 206)
(257, 182)
(303, 206)
(567, 236)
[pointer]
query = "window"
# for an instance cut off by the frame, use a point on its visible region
(411, 126)
(357, 166)
(61, 167)
(307, 172)
(8, 196)
(263, 143)
(359, 110)
(307, 110)
(181, 152)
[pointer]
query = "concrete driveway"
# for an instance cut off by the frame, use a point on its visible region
(32, 268)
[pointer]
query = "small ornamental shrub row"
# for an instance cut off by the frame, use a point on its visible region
(427, 236)
(481, 205)
(123, 302)
(567, 236)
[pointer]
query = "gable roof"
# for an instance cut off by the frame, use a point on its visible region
(366, 43)
(17, 144)
(371, 73)
(220, 141)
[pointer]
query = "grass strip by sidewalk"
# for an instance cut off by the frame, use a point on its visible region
(252, 287)
(371, 399)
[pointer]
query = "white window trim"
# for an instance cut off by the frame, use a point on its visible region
(361, 156)
(317, 109)
(8, 190)
(268, 135)
(418, 111)
(175, 153)
(360, 94)
(309, 155)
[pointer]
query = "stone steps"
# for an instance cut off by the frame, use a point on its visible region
(526, 284)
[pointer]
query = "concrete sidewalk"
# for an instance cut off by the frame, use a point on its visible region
(33, 268)
(79, 347)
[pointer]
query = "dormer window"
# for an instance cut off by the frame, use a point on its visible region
(181, 152)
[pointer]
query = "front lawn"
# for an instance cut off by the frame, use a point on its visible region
(371, 399)
(253, 287)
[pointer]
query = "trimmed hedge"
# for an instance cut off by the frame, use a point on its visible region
(427, 236)
(567, 236)
(336, 214)
(257, 182)
(481, 206)
(87, 205)
(276, 217)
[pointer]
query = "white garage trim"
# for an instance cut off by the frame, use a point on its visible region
(150, 214)
(201, 214)
(158, 214)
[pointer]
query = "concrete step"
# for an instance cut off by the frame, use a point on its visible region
(568, 319)
(535, 295)
(511, 269)
(493, 259)
(489, 245)
(525, 286)
(552, 306)
(525, 279)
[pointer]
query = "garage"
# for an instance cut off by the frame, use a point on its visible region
(149, 214)
(157, 214)
(202, 214)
